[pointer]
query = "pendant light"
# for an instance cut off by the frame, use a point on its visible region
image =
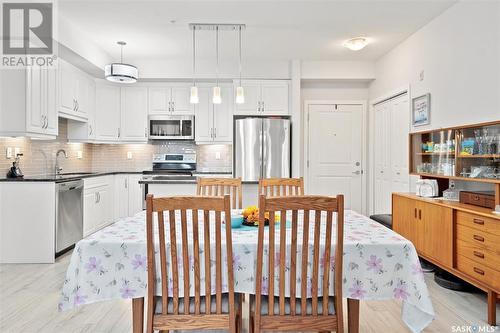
(193, 98)
(216, 97)
(240, 94)
(120, 72)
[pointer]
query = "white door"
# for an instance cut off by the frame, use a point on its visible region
(382, 149)
(159, 99)
(89, 212)
(252, 98)
(134, 194)
(204, 116)
(180, 100)
(335, 152)
(107, 117)
(104, 206)
(223, 117)
(275, 97)
(121, 196)
(400, 124)
(133, 119)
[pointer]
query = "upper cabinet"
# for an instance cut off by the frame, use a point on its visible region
(214, 122)
(32, 93)
(75, 87)
(133, 115)
(264, 97)
(107, 117)
(170, 100)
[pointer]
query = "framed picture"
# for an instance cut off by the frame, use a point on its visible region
(421, 110)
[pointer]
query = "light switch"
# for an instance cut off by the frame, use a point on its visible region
(217, 155)
(79, 154)
(129, 155)
(8, 152)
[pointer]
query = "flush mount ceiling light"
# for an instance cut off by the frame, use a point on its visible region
(120, 72)
(356, 44)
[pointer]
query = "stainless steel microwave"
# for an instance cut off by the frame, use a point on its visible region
(165, 127)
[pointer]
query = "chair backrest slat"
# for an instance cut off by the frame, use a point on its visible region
(185, 207)
(323, 209)
(219, 187)
(272, 187)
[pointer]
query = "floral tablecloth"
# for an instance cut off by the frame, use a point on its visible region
(379, 264)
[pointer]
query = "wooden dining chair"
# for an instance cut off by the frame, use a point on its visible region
(315, 313)
(281, 187)
(204, 311)
(221, 186)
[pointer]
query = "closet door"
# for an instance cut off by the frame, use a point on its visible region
(382, 148)
(400, 124)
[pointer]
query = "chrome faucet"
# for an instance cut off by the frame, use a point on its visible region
(58, 169)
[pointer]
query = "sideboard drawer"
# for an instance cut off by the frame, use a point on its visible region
(479, 222)
(478, 254)
(480, 272)
(478, 238)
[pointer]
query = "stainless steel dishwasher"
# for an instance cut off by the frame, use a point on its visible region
(69, 214)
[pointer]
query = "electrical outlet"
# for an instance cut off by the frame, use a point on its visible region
(217, 155)
(17, 151)
(129, 155)
(8, 152)
(79, 154)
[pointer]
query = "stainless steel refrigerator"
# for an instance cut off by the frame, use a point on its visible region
(261, 148)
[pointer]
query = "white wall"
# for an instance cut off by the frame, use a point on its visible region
(459, 52)
(343, 90)
(338, 70)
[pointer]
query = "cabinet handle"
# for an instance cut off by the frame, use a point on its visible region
(258, 106)
(479, 254)
(215, 132)
(126, 185)
(415, 213)
(479, 238)
(77, 106)
(478, 221)
(90, 127)
(478, 271)
(263, 108)
(419, 214)
(145, 132)
(118, 131)
(173, 106)
(96, 199)
(74, 104)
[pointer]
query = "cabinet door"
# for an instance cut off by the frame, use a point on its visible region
(133, 120)
(91, 111)
(180, 100)
(435, 232)
(158, 99)
(204, 116)
(51, 112)
(135, 196)
(252, 98)
(121, 196)
(35, 112)
(82, 91)
(67, 87)
(107, 118)
(404, 218)
(223, 117)
(105, 206)
(275, 97)
(89, 212)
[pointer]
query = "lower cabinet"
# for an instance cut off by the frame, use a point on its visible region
(97, 204)
(428, 226)
(128, 195)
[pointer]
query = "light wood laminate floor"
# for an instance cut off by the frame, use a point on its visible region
(29, 295)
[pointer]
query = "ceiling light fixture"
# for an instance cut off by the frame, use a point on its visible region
(194, 99)
(120, 72)
(240, 94)
(216, 98)
(356, 44)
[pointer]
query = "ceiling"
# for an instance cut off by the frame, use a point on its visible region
(277, 30)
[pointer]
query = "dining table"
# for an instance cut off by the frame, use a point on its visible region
(378, 264)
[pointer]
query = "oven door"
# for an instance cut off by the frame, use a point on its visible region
(171, 127)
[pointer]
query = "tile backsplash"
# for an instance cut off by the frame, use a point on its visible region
(39, 155)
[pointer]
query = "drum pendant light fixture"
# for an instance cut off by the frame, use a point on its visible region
(121, 72)
(193, 98)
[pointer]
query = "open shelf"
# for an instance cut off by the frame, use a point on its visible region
(494, 156)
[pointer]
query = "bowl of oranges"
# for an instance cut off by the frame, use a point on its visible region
(251, 216)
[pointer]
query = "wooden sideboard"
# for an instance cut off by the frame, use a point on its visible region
(460, 238)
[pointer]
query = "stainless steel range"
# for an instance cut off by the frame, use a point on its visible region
(170, 167)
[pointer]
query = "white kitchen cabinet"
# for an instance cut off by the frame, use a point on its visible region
(74, 92)
(133, 115)
(32, 93)
(107, 117)
(264, 97)
(97, 203)
(170, 100)
(128, 195)
(85, 131)
(214, 122)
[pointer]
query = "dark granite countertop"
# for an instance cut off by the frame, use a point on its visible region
(65, 177)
